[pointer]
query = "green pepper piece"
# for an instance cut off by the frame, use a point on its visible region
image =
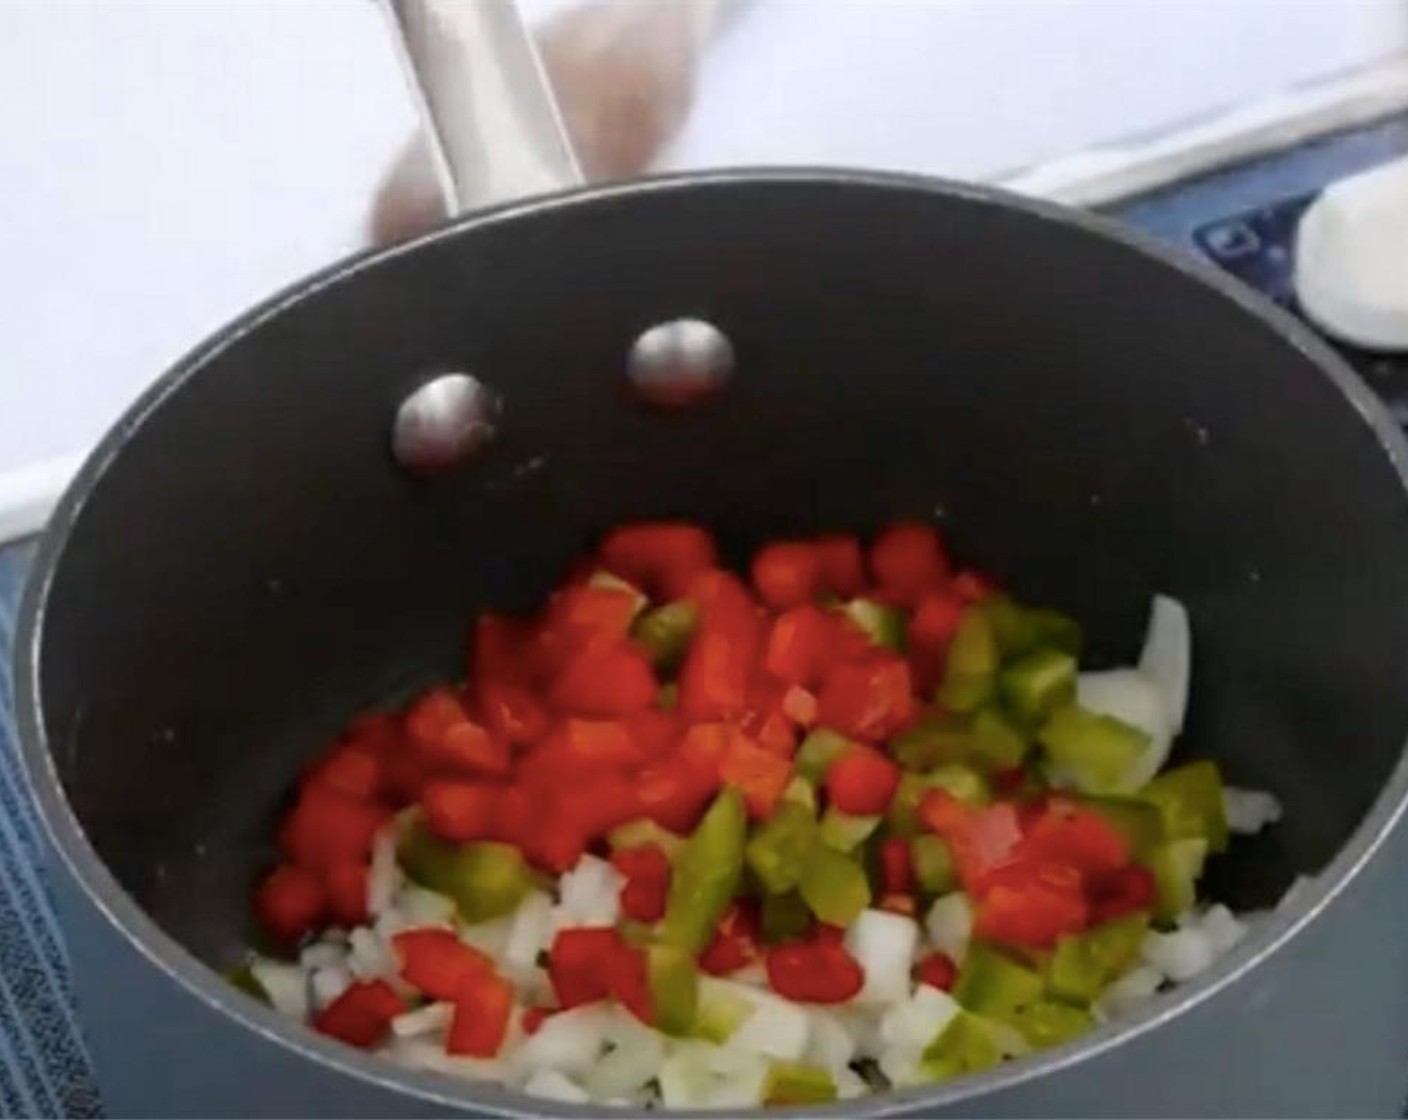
(970, 673)
(847, 831)
(721, 1011)
(780, 847)
(665, 633)
(706, 873)
(642, 831)
(834, 887)
(783, 917)
(1037, 684)
(933, 741)
(997, 744)
(1022, 630)
(933, 864)
(881, 623)
(1084, 963)
(1097, 753)
(965, 1045)
(674, 987)
(964, 783)
(1048, 1023)
(485, 880)
(1176, 866)
(792, 1083)
(609, 582)
(242, 977)
(1189, 800)
(993, 985)
(818, 751)
(1137, 821)
(801, 792)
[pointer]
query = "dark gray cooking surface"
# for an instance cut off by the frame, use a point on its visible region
(1242, 217)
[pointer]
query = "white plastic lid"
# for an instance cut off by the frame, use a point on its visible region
(1351, 260)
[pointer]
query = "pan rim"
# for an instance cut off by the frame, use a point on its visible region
(100, 888)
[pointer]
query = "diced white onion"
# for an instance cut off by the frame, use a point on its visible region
(489, 938)
(321, 954)
(883, 944)
(740, 1079)
(913, 1023)
(421, 907)
(590, 894)
(286, 985)
(384, 875)
(863, 1025)
(553, 1086)
(430, 1019)
(570, 1042)
(777, 1028)
(1222, 928)
(1179, 955)
(429, 1054)
(686, 1080)
(1130, 697)
(849, 1084)
(329, 982)
(635, 1057)
(1131, 990)
(529, 932)
(371, 958)
(1167, 657)
(1248, 811)
(950, 925)
(829, 1044)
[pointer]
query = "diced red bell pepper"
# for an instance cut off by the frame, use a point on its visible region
(609, 800)
(896, 866)
(775, 735)
(468, 749)
(661, 557)
(735, 942)
(802, 645)
(655, 733)
(590, 613)
(577, 748)
(674, 792)
(347, 893)
(842, 569)
(362, 1015)
(818, 970)
(1009, 782)
(973, 587)
(647, 872)
(579, 963)
(326, 827)
(1067, 832)
(937, 970)
(350, 769)
(908, 560)
(899, 902)
(931, 629)
(603, 681)
(1123, 891)
(713, 680)
(787, 574)
(483, 1008)
(862, 780)
(511, 712)
(759, 775)
(403, 775)
(704, 745)
(516, 815)
(629, 983)
(869, 699)
(557, 845)
(981, 839)
(431, 714)
(290, 904)
(724, 602)
(437, 963)
(799, 706)
(1031, 903)
(461, 811)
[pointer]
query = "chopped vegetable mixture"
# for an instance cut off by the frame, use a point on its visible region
(853, 822)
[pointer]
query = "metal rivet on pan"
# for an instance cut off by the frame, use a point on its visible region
(680, 363)
(445, 422)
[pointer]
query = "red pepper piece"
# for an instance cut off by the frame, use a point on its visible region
(814, 971)
(674, 792)
(802, 645)
(842, 569)
(589, 613)
(980, 839)
(869, 699)
(759, 775)
(351, 769)
(511, 712)
(1120, 892)
(787, 574)
(437, 963)
(655, 733)
(862, 781)
(1066, 832)
(1031, 903)
(375, 731)
(347, 893)
(927, 638)
(647, 872)
(896, 867)
(431, 714)
(326, 827)
(290, 904)
(661, 557)
(714, 678)
(460, 811)
(908, 560)
(362, 1015)
(724, 602)
(578, 965)
(535, 1017)
(899, 903)
(735, 942)
(799, 706)
(973, 587)
(468, 749)
(516, 815)
(937, 970)
(609, 801)
(603, 681)
(628, 982)
(483, 1007)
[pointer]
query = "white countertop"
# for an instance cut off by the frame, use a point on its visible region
(163, 164)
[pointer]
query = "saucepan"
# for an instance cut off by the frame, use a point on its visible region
(244, 560)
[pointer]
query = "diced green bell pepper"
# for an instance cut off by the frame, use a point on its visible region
(996, 742)
(1176, 866)
(242, 977)
(1038, 684)
(993, 985)
(970, 673)
(881, 623)
(780, 847)
(782, 917)
(846, 831)
(665, 633)
(486, 879)
(706, 873)
(818, 751)
(834, 887)
(962, 782)
(965, 1045)
(1048, 1023)
(721, 1012)
(674, 987)
(1137, 821)
(1084, 963)
(1097, 753)
(934, 741)
(1022, 630)
(791, 1083)
(638, 833)
(1189, 800)
(934, 872)
(801, 792)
